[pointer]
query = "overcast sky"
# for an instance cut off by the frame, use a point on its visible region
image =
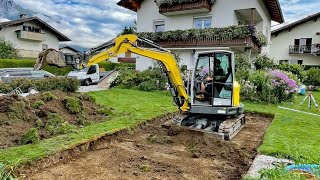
(91, 22)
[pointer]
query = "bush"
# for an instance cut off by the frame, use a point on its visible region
(19, 63)
(148, 80)
(37, 104)
(263, 62)
(248, 91)
(108, 66)
(312, 77)
(273, 86)
(7, 50)
(31, 136)
(48, 96)
(293, 68)
(283, 86)
(243, 66)
(48, 84)
(73, 105)
(150, 85)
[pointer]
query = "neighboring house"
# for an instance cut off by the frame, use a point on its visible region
(31, 35)
(298, 42)
(170, 15)
(69, 50)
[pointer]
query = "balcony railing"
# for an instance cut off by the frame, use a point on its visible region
(313, 49)
(34, 36)
(187, 7)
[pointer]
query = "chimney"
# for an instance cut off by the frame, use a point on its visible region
(22, 16)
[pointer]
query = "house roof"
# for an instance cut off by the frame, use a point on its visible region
(273, 7)
(297, 23)
(43, 25)
(68, 47)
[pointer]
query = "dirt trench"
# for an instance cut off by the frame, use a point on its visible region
(152, 152)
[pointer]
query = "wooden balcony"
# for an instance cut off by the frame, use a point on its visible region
(312, 49)
(34, 36)
(126, 60)
(185, 8)
(247, 42)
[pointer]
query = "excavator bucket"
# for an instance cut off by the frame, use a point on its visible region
(50, 57)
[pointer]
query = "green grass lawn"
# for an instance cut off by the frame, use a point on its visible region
(291, 135)
(131, 107)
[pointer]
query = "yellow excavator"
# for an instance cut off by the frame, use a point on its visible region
(218, 111)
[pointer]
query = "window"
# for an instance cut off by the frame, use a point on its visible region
(300, 62)
(31, 29)
(202, 22)
(159, 25)
(44, 47)
(303, 45)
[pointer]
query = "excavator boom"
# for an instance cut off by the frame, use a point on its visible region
(128, 43)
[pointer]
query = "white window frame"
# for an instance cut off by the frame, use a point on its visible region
(158, 22)
(202, 18)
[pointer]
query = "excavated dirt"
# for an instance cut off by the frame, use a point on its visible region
(152, 152)
(17, 116)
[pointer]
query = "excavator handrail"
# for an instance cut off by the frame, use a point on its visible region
(128, 43)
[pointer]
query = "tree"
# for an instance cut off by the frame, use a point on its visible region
(7, 50)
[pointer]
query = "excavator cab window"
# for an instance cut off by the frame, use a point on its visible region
(214, 79)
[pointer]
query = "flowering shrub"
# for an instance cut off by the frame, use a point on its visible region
(248, 91)
(283, 87)
(271, 86)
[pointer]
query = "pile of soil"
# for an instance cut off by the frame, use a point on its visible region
(153, 152)
(17, 115)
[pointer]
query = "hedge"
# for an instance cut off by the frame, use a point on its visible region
(15, 63)
(47, 84)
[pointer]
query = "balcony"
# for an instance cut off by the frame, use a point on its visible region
(211, 42)
(34, 36)
(312, 49)
(233, 36)
(200, 6)
(126, 60)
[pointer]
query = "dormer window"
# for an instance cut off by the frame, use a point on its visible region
(202, 22)
(159, 25)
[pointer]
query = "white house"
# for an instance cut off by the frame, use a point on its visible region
(169, 15)
(68, 50)
(298, 42)
(31, 35)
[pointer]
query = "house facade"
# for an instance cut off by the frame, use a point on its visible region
(31, 35)
(298, 42)
(159, 16)
(68, 50)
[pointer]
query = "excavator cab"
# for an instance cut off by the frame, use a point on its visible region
(215, 90)
(215, 96)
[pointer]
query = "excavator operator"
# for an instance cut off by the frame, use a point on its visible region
(206, 84)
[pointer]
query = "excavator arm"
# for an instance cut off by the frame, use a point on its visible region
(128, 43)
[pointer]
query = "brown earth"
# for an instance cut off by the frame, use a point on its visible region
(148, 152)
(16, 120)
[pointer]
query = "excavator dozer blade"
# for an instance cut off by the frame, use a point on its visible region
(50, 57)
